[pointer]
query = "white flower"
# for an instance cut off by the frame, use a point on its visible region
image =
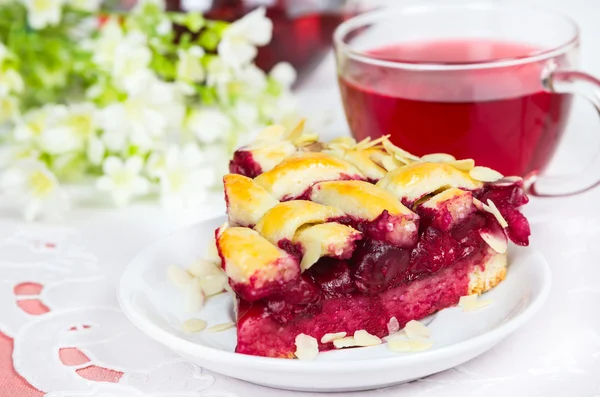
(183, 181)
(279, 108)
(10, 82)
(209, 124)
(42, 13)
(115, 141)
(150, 110)
(123, 180)
(218, 73)
(189, 67)
(70, 130)
(246, 114)
(238, 44)
(10, 154)
(164, 27)
(283, 73)
(30, 183)
(95, 151)
(103, 49)
(9, 109)
(131, 60)
(249, 83)
(155, 164)
(253, 79)
(36, 121)
(85, 5)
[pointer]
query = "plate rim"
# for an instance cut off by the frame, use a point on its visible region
(181, 345)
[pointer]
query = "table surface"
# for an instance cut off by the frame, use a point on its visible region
(62, 333)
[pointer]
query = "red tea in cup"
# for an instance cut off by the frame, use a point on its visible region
(502, 118)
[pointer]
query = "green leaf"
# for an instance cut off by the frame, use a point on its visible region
(208, 95)
(218, 27)
(194, 21)
(209, 40)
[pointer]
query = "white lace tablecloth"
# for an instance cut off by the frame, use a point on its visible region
(62, 333)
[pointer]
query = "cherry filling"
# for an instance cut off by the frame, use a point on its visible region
(243, 164)
(380, 280)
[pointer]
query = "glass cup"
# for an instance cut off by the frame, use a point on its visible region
(492, 82)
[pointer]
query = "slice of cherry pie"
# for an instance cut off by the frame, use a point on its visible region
(343, 236)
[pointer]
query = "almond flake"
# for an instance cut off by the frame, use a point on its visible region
(409, 345)
(399, 345)
(307, 347)
(213, 285)
(393, 326)
(398, 152)
(221, 327)
(328, 338)
(363, 144)
(471, 302)
(194, 296)
(193, 325)
(370, 144)
(305, 139)
(178, 276)
(415, 329)
(202, 268)
(345, 342)
(342, 143)
(272, 132)
(508, 181)
(388, 162)
(479, 205)
(222, 228)
(438, 158)
(402, 159)
(492, 209)
(420, 344)
(497, 241)
(363, 338)
(212, 253)
(463, 165)
(485, 174)
(297, 131)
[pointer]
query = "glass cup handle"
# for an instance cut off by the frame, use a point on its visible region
(587, 86)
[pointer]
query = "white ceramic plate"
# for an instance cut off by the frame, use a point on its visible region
(155, 306)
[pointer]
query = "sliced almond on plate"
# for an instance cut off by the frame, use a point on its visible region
(221, 327)
(194, 296)
(202, 268)
(328, 338)
(409, 345)
(307, 347)
(471, 302)
(348, 341)
(193, 325)
(416, 329)
(178, 276)
(363, 338)
(214, 284)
